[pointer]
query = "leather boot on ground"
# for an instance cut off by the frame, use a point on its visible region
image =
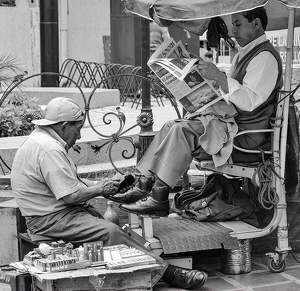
(157, 203)
(188, 279)
(139, 191)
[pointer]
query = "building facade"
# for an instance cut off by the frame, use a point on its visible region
(277, 38)
(82, 25)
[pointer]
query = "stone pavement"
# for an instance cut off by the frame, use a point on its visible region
(259, 279)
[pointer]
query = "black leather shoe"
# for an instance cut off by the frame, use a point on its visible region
(130, 196)
(141, 190)
(149, 206)
(188, 279)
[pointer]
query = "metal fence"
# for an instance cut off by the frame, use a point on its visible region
(90, 74)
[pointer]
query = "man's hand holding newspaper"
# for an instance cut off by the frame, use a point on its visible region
(172, 64)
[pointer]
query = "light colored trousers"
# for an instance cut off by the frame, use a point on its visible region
(172, 150)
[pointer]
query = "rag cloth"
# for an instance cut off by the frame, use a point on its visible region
(220, 129)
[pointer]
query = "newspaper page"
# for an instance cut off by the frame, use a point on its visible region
(178, 67)
(165, 49)
(173, 57)
(186, 84)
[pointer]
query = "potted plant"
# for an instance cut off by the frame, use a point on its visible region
(16, 114)
(8, 69)
(17, 109)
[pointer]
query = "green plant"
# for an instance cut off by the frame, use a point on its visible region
(16, 114)
(8, 69)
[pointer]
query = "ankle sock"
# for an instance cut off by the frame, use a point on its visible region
(160, 183)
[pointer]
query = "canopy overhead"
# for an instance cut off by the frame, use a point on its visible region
(194, 16)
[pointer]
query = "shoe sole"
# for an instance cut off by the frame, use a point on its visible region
(112, 198)
(115, 200)
(155, 213)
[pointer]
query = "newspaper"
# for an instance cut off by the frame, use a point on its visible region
(172, 64)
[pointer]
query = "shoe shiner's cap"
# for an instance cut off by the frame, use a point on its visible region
(60, 109)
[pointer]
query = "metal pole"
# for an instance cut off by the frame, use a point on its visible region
(49, 41)
(282, 230)
(288, 76)
(289, 50)
(146, 134)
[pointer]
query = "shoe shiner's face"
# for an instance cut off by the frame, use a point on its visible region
(71, 132)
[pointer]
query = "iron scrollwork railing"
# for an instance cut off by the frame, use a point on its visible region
(129, 86)
(18, 83)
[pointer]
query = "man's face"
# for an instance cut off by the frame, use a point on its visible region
(243, 31)
(72, 133)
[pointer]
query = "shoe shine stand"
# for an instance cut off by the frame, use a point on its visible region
(172, 237)
(141, 228)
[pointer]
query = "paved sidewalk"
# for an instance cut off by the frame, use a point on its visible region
(259, 279)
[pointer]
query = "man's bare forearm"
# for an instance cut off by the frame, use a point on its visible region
(88, 182)
(103, 188)
(82, 195)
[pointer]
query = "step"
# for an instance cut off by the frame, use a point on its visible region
(101, 97)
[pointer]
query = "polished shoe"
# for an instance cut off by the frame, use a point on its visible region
(130, 196)
(150, 204)
(188, 279)
(141, 190)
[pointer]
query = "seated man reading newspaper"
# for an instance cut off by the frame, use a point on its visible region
(250, 90)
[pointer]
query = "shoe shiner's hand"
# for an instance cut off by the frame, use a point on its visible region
(125, 182)
(123, 190)
(108, 187)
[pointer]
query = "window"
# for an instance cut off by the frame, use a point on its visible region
(7, 3)
(224, 49)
